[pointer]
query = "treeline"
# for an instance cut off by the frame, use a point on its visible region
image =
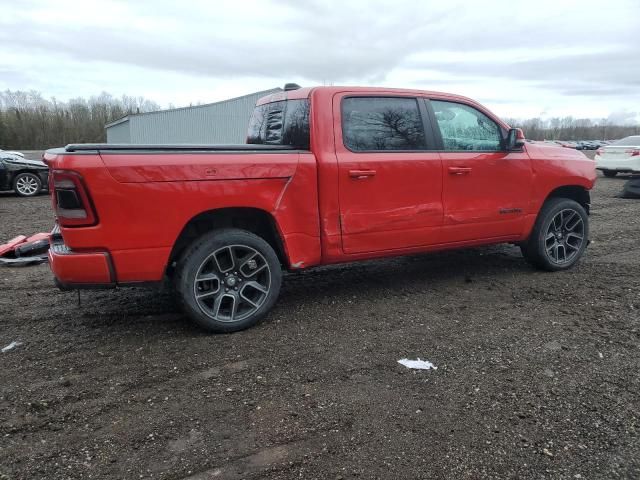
(30, 122)
(570, 128)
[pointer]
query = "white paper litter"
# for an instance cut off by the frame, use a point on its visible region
(11, 346)
(417, 364)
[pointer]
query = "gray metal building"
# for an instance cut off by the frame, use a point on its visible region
(223, 122)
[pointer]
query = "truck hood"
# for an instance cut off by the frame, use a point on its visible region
(547, 151)
(559, 166)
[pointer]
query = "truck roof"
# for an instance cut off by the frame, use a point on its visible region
(305, 92)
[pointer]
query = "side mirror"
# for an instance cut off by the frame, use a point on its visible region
(515, 139)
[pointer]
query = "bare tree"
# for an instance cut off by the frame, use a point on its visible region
(569, 128)
(29, 121)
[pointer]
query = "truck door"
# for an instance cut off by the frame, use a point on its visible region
(486, 189)
(390, 182)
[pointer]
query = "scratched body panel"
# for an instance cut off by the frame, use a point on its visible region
(329, 204)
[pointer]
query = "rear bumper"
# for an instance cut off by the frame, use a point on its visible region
(73, 269)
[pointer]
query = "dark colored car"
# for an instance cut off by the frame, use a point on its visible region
(26, 177)
(588, 145)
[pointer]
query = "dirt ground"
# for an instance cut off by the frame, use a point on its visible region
(537, 373)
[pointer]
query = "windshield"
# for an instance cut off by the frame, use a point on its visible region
(633, 141)
(280, 123)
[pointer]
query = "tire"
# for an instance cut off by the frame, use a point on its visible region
(559, 236)
(609, 173)
(227, 280)
(27, 184)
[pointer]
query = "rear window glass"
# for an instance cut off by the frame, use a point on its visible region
(280, 123)
(629, 141)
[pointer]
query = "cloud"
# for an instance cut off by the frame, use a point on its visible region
(555, 71)
(562, 53)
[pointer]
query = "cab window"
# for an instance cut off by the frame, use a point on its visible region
(464, 128)
(382, 123)
(280, 123)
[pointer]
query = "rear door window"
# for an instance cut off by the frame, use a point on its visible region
(382, 123)
(464, 128)
(280, 123)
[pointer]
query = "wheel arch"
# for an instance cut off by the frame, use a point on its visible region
(574, 192)
(254, 220)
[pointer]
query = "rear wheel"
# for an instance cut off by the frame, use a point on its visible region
(559, 237)
(609, 173)
(27, 184)
(228, 280)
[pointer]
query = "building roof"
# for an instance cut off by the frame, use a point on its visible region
(193, 107)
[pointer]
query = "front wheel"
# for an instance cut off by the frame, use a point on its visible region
(559, 237)
(228, 280)
(27, 184)
(609, 173)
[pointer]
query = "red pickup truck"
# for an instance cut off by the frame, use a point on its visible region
(328, 175)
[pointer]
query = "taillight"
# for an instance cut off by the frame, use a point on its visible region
(71, 200)
(633, 153)
(599, 151)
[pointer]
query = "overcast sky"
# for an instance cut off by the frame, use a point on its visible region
(520, 58)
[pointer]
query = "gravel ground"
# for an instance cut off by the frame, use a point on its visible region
(537, 373)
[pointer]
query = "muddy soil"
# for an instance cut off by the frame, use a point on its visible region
(537, 373)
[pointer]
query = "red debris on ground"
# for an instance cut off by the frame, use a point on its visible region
(25, 250)
(11, 245)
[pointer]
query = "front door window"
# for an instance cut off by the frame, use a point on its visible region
(464, 128)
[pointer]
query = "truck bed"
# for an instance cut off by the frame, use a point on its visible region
(115, 147)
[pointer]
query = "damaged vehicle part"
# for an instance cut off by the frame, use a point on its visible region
(23, 261)
(29, 249)
(23, 250)
(11, 245)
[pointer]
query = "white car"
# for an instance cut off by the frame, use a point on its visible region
(622, 156)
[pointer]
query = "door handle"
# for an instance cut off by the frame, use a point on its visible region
(361, 174)
(459, 170)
